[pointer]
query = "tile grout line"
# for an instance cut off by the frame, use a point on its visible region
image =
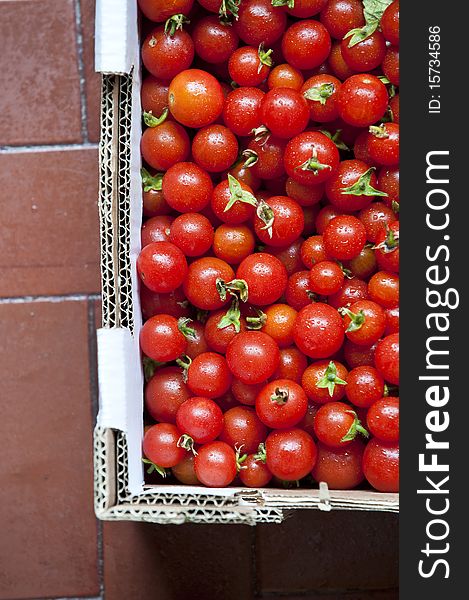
(81, 71)
(52, 299)
(48, 148)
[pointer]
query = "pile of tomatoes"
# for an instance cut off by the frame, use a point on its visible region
(270, 246)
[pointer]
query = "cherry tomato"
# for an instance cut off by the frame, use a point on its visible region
(195, 98)
(160, 445)
(352, 290)
(279, 321)
(325, 381)
(161, 10)
(326, 278)
(200, 284)
(259, 22)
(164, 394)
(192, 233)
(319, 330)
(281, 404)
(196, 342)
(383, 144)
(270, 153)
(340, 16)
(337, 424)
(387, 358)
(305, 195)
(218, 337)
(285, 76)
(321, 92)
(291, 454)
(381, 465)
(341, 468)
(242, 110)
(310, 158)
(362, 100)
(154, 204)
(390, 23)
(214, 41)
(383, 288)
(165, 55)
(313, 251)
(252, 356)
(367, 54)
(185, 472)
(337, 64)
(383, 419)
(208, 375)
(365, 385)
(187, 187)
(287, 225)
(156, 229)
(306, 44)
(390, 66)
(394, 106)
(363, 266)
(249, 66)
(161, 339)
(284, 112)
(174, 303)
(388, 182)
(392, 320)
(201, 419)
(243, 429)
(254, 473)
(165, 145)
(154, 95)
(266, 278)
(387, 248)
(358, 356)
(215, 148)
(233, 243)
(304, 9)
(292, 364)
(352, 186)
(297, 294)
(289, 256)
(365, 322)
(162, 267)
(233, 201)
(375, 218)
(245, 175)
(215, 464)
(245, 393)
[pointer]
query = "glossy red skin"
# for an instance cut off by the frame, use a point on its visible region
(259, 21)
(388, 261)
(284, 112)
(277, 186)
(301, 148)
(161, 340)
(305, 195)
(254, 473)
(362, 100)
(165, 56)
(365, 385)
(241, 112)
(245, 67)
(313, 375)
(218, 339)
(340, 16)
(337, 65)
(385, 151)
(360, 148)
(388, 181)
(390, 23)
(288, 222)
(161, 10)
(154, 95)
(358, 356)
(200, 283)
(340, 468)
(289, 256)
(162, 267)
(196, 342)
(381, 465)
(201, 419)
(243, 429)
(271, 153)
(318, 331)
(383, 288)
(383, 419)
(245, 393)
(215, 148)
(344, 237)
(215, 464)
(156, 229)
(160, 445)
(351, 291)
(210, 5)
(281, 415)
(296, 291)
(346, 175)
(391, 64)
(326, 278)
(173, 303)
(187, 187)
(192, 233)
(154, 204)
(323, 113)
(392, 320)
(184, 471)
(387, 358)
(195, 98)
(164, 394)
(364, 265)
(208, 375)
(233, 243)
(394, 106)
(313, 251)
(332, 423)
(292, 364)
(375, 218)
(373, 327)
(306, 8)
(252, 357)
(245, 175)
(285, 76)
(279, 324)
(266, 278)
(367, 54)
(306, 44)
(165, 145)
(214, 42)
(291, 454)
(239, 213)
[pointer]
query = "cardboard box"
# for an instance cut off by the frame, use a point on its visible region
(120, 492)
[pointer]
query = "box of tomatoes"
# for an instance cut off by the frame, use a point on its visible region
(249, 205)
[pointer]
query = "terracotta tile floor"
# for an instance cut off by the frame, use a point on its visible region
(50, 543)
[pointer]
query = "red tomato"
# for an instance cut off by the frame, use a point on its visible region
(161, 10)
(279, 322)
(353, 290)
(387, 358)
(321, 92)
(337, 424)
(233, 243)
(233, 201)
(174, 303)
(246, 393)
(284, 112)
(358, 356)
(156, 229)
(341, 468)
(313, 251)
(289, 255)
(297, 294)
(365, 385)
(311, 158)
(166, 55)
(305, 195)
(362, 100)
(161, 339)
(154, 95)
(304, 9)
(381, 465)
(390, 23)
(187, 187)
(365, 55)
(340, 16)
(195, 98)
(254, 473)
(185, 472)
(249, 66)
(241, 112)
(383, 288)
(285, 76)
(270, 157)
(162, 267)
(375, 218)
(326, 278)
(292, 364)
(344, 237)
(365, 322)
(383, 144)
(214, 41)
(281, 404)
(319, 330)
(165, 145)
(218, 337)
(252, 356)
(259, 22)
(306, 44)
(164, 394)
(291, 454)
(287, 224)
(192, 233)
(200, 284)
(215, 464)
(160, 445)
(243, 429)
(325, 381)
(266, 278)
(208, 375)
(215, 148)
(387, 248)
(352, 186)
(201, 419)
(383, 419)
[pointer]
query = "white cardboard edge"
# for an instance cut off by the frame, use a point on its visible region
(116, 35)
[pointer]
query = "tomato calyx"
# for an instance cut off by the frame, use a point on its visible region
(186, 442)
(391, 91)
(261, 134)
(175, 23)
(280, 396)
(313, 164)
(238, 194)
(287, 3)
(330, 379)
(390, 390)
(347, 272)
(320, 93)
(312, 296)
(149, 367)
(266, 215)
(184, 362)
(265, 57)
(154, 467)
(373, 11)
(151, 121)
(355, 428)
(379, 131)
(228, 11)
(395, 206)
(150, 182)
(261, 454)
(240, 458)
(363, 187)
(183, 326)
(258, 321)
(251, 157)
(232, 317)
(339, 144)
(390, 243)
(356, 319)
(235, 287)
